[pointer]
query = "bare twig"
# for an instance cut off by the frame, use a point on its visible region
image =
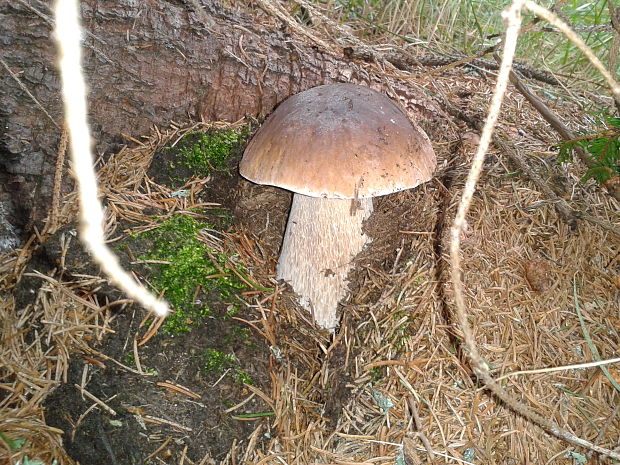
(614, 48)
(580, 44)
(95, 399)
(460, 62)
(163, 421)
(586, 335)
(25, 89)
(480, 368)
(335, 27)
(555, 122)
(178, 388)
(158, 450)
(418, 426)
(578, 366)
(275, 9)
(68, 33)
(52, 224)
(605, 427)
(566, 212)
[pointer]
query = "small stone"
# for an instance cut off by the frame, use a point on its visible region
(538, 273)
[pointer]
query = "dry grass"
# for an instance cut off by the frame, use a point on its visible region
(36, 343)
(65, 319)
(403, 346)
(394, 379)
(468, 27)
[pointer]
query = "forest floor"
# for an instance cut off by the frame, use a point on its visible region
(239, 374)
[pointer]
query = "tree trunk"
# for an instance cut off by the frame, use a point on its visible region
(147, 63)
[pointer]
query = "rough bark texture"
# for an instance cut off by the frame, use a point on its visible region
(323, 237)
(147, 63)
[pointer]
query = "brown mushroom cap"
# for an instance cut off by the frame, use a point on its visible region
(339, 141)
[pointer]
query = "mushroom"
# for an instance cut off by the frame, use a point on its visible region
(336, 147)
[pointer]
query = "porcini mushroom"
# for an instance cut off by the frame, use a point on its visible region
(336, 147)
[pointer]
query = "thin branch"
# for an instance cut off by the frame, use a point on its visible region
(566, 212)
(580, 44)
(555, 122)
(614, 48)
(577, 366)
(586, 335)
(25, 89)
(274, 8)
(480, 368)
(68, 33)
(52, 224)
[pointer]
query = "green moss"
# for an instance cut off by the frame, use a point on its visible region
(189, 267)
(403, 331)
(218, 362)
(238, 334)
(231, 312)
(14, 444)
(129, 359)
(206, 152)
(603, 147)
(376, 374)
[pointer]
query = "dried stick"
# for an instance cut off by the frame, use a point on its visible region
(52, 224)
(577, 366)
(68, 36)
(460, 62)
(96, 400)
(334, 26)
(580, 44)
(565, 211)
(28, 93)
(614, 48)
(555, 122)
(480, 368)
(568, 214)
(276, 9)
(419, 427)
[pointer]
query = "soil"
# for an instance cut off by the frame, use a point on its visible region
(149, 415)
(201, 424)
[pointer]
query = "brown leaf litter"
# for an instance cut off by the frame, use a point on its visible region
(393, 381)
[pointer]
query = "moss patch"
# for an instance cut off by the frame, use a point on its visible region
(220, 363)
(189, 269)
(206, 152)
(199, 154)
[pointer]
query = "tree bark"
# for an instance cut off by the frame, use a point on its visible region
(147, 63)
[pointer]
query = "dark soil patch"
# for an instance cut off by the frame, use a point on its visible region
(211, 360)
(148, 414)
(143, 407)
(262, 211)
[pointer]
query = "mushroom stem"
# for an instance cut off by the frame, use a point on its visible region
(322, 238)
